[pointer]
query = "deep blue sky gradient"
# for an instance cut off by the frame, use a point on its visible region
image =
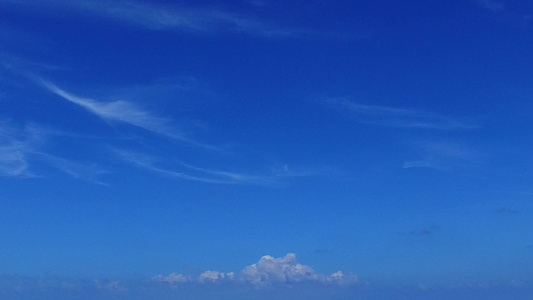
(387, 139)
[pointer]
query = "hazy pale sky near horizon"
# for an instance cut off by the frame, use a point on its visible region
(266, 149)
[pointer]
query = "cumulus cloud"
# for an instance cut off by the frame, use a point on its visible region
(213, 276)
(268, 271)
(172, 278)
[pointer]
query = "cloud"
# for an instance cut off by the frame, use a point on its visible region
(86, 171)
(232, 176)
(169, 167)
(444, 155)
(172, 278)
(149, 163)
(55, 287)
(20, 148)
(285, 270)
(214, 276)
(189, 172)
(118, 111)
(492, 5)
(122, 111)
(398, 117)
(159, 17)
(17, 145)
(13, 161)
(422, 232)
(268, 271)
(419, 164)
(110, 285)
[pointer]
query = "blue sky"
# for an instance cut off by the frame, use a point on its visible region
(261, 149)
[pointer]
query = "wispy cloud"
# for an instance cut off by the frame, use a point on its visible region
(17, 65)
(17, 145)
(230, 176)
(421, 232)
(170, 167)
(266, 272)
(13, 160)
(86, 171)
(189, 172)
(125, 112)
(164, 17)
(492, 5)
(149, 163)
(398, 117)
(443, 155)
(21, 148)
(122, 111)
(118, 111)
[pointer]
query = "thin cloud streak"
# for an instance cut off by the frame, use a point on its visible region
(492, 5)
(159, 17)
(149, 163)
(399, 117)
(195, 173)
(236, 177)
(119, 111)
(126, 112)
(442, 155)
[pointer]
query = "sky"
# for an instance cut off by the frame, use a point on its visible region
(260, 149)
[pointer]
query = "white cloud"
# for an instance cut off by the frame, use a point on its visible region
(110, 285)
(268, 271)
(17, 145)
(22, 147)
(167, 166)
(159, 17)
(119, 111)
(213, 276)
(86, 171)
(398, 117)
(418, 164)
(149, 163)
(13, 160)
(231, 177)
(172, 278)
(122, 111)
